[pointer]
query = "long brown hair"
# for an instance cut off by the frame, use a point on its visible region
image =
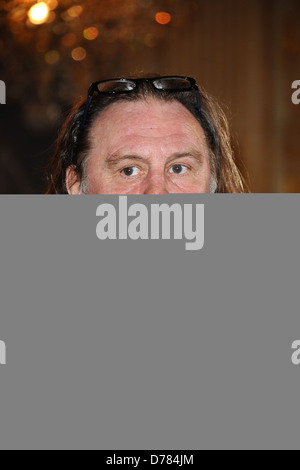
(73, 142)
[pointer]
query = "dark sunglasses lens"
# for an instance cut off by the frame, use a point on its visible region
(172, 84)
(116, 86)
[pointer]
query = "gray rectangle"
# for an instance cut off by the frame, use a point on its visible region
(139, 344)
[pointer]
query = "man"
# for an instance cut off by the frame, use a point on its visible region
(145, 136)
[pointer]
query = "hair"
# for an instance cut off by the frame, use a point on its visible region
(73, 143)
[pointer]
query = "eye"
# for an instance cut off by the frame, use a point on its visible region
(130, 171)
(178, 169)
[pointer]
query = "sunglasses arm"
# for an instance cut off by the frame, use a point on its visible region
(198, 98)
(87, 105)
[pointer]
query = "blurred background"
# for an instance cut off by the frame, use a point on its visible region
(246, 53)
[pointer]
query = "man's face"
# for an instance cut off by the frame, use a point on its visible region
(145, 147)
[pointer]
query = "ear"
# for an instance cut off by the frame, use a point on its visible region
(72, 181)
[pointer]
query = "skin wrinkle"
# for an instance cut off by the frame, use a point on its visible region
(151, 136)
(113, 160)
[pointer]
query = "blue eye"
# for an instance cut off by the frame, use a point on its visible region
(130, 171)
(178, 169)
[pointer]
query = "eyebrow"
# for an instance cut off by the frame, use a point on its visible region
(115, 158)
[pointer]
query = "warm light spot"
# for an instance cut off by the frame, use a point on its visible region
(162, 17)
(75, 11)
(52, 57)
(66, 17)
(18, 14)
(79, 53)
(91, 33)
(38, 13)
(52, 4)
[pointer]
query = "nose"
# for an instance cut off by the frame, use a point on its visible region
(155, 184)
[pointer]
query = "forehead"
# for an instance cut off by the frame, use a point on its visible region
(151, 120)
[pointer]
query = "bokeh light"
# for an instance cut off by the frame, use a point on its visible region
(90, 33)
(17, 14)
(75, 11)
(38, 13)
(162, 17)
(52, 4)
(52, 37)
(78, 54)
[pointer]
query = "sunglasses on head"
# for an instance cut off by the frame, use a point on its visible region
(171, 84)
